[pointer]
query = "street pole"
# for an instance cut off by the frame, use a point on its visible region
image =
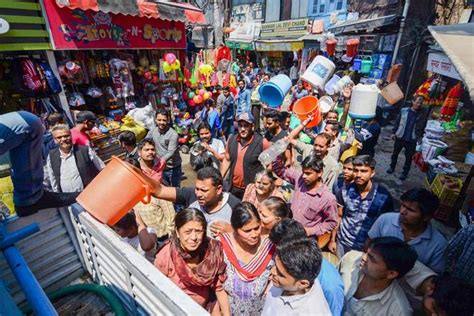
(400, 31)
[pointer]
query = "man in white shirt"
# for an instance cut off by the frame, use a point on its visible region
(213, 148)
(295, 290)
(71, 167)
(370, 279)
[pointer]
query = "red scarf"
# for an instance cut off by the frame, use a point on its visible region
(256, 266)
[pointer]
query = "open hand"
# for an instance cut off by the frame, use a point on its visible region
(219, 227)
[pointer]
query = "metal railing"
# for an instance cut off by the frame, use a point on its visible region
(142, 288)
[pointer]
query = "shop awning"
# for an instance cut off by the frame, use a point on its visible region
(365, 24)
(457, 41)
(169, 11)
(282, 45)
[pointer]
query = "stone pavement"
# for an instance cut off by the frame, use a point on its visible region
(383, 152)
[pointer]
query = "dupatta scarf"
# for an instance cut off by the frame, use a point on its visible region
(256, 266)
(208, 272)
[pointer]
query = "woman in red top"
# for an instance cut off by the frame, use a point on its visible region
(195, 262)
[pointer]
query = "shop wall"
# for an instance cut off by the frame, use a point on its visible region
(247, 11)
(368, 9)
(27, 27)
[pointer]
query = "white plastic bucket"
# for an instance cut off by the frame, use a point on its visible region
(364, 101)
(319, 71)
(329, 87)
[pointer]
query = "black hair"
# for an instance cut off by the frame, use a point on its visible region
(126, 222)
(201, 161)
(134, 162)
(54, 118)
(162, 111)
(146, 141)
(313, 162)
(210, 173)
(334, 125)
(286, 230)
(278, 207)
(128, 138)
(227, 89)
(182, 218)
(284, 115)
(348, 160)
(203, 125)
(243, 214)
(241, 80)
(325, 136)
(364, 161)
(187, 215)
(218, 87)
(301, 258)
(272, 114)
(427, 201)
(453, 296)
(396, 254)
(332, 111)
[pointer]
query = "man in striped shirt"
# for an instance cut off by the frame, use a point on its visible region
(312, 204)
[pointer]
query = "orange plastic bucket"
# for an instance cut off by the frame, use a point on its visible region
(115, 190)
(307, 106)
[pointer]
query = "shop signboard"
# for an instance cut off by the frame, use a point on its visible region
(279, 46)
(78, 29)
(289, 28)
(240, 45)
(439, 63)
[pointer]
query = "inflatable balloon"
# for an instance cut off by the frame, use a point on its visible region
(176, 65)
(155, 79)
(148, 75)
(206, 96)
(201, 92)
(200, 99)
(167, 67)
(197, 99)
(170, 58)
(191, 103)
(191, 94)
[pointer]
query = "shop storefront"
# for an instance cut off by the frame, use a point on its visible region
(241, 41)
(376, 40)
(110, 63)
(279, 42)
(447, 151)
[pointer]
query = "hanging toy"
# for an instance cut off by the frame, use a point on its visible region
(170, 58)
(167, 67)
(451, 102)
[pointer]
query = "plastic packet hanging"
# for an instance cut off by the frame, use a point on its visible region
(94, 92)
(76, 99)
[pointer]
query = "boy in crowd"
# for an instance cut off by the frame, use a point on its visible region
(296, 290)
(312, 204)
(361, 203)
(128, 141)
(412, 224)
(134, 232)
(370, 278)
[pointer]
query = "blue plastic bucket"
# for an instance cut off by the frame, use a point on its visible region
(357, 64)
(273, 92)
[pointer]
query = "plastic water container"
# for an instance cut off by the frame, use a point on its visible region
(342, 83)
(329, 87)
(269, 155)
(392, 93)
(364, 101)
(308, 106)
(115, 190)
(273, 92)
(366, 65)
(319, 71)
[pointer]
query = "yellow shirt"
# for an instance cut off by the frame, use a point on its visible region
(158, 214)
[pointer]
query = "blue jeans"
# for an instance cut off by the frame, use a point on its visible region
(227, 127)
(21, 134)
(172, 177)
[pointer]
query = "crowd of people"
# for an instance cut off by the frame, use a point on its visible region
(247, 239)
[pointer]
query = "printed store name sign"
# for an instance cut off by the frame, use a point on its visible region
(77, 29)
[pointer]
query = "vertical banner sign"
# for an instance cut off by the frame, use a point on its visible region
(78, 29)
